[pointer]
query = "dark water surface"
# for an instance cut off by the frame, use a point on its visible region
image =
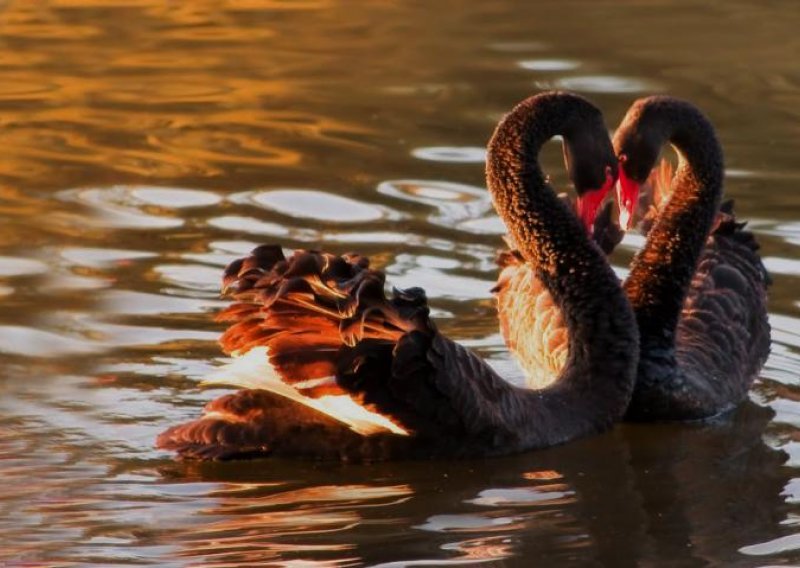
(144, 144)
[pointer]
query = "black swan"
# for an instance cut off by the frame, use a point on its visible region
(321, 333)
(698, 286)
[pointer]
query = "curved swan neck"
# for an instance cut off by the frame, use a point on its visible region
(538, 221)
(662, 271)
(598, 378)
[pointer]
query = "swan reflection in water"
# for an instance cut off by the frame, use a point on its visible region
(691, 493)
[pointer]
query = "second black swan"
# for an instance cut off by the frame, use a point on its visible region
(698, 287)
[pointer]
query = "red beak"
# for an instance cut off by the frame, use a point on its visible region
(627, 198)
(590, 201)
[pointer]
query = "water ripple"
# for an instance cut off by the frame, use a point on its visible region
(177, 198)
(238, 223)
(128, 302)
(541, 495)
(117, 207)
(432, 274)
(464, 522)
(457, 205)
(779, 265)
(451, 154)
(549, 64)
(31, 342)
(190, 276)
(317, 205)
(605, 84)
(14, 266)
(776, 546)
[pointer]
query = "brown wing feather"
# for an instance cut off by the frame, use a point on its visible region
(322, 316)
(306, 309)
(531, 323)
(454, 403)
(724, 333)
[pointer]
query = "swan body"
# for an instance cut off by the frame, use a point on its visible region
(325, 329)
(698, 287)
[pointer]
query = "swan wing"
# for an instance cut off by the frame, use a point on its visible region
(531, 323)
(723, 335)
(326, 358)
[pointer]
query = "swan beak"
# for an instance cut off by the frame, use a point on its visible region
(627, 198)
(589, 202)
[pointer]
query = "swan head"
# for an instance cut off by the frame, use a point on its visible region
(591, 165)
(512, 157)
(637, 143)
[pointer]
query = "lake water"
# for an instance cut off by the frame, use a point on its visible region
(145, 144)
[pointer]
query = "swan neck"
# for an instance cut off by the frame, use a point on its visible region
(603, 350)
(662, 271)
(536, 219)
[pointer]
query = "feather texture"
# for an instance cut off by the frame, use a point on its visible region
(531, 322)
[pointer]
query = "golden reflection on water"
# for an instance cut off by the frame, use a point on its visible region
(151, 90)
(257, 529)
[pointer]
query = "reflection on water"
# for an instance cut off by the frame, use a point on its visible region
(315, 205)
(448, 154)
(147, 144)
(603, 84)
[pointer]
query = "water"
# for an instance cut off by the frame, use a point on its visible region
(146, 144)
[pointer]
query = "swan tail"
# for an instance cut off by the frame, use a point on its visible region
(727, 226)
